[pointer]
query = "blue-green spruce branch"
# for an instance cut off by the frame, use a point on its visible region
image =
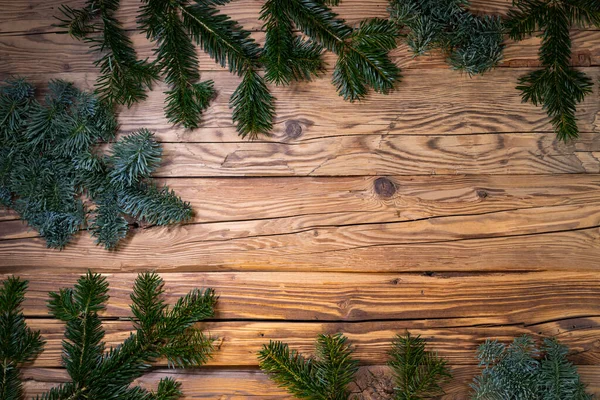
(51, 159)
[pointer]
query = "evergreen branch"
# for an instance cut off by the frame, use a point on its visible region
(557, 87)
(326, 377)
(18, 343)
(123, 78)
(50, 159)
(96, 374)
(418, 372)
(176, 57)
(252, 104)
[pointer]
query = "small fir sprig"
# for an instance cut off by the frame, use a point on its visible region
(522, 371)
(557, 86)
(175, 27)
(18, 343)
(325, 376)
(123, 78)
(363, 59)
(160, 332)
(50, 158)
(471, 43)
(418, 373)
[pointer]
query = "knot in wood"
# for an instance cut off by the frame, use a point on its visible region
(482, 194)
(293, 129)
(384, 187)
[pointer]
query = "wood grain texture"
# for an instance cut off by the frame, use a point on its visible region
(424, 104)
(456, 339)
(493, 299)
(373, 382)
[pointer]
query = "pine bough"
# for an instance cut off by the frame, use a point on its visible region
(557, 87)
(363, 59)
(522, 371)
(94, 371)
(174, 27)
(50, 160)
(472, 43)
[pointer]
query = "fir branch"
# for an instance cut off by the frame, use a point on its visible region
(363, 59)
(325, 377)
(522, 371)
(557, 87)
(159, 331)
(418, 372)
(252, 104)
(123, 78)
(18, 343)
(471, 43)
(187, 98)
(51, 158)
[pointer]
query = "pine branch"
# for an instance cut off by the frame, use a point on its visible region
(471, 43)
(418, 372)
(362, 52)
(51, 158)
(187, 98)
(123, 78)
(522, 371)
(252, 104)
(325, 377)
(557, 87)
(159, 331)
(18, 343)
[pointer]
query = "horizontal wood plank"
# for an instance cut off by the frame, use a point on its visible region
(372, 382)
(531, 298)
(423, 104)
(456, 339)
(290, 204)
(199, 247)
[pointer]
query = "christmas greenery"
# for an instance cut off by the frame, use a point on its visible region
(175, 26)
(472, 43)
(522, 371)
(557, 86)
(94, 371)
(123, 78)
(18, 343)
(50, 161)
(324, 377)
(363, 59)
(418, 373)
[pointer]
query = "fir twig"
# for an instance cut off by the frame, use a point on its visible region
(363, 59)
(557, 87)
(160, 331)
(326, 376)
(18, 343)
(418, 373)
(50, 158)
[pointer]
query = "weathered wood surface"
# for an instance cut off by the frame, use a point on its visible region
(374, 383)
(511, 299)
(447, 208)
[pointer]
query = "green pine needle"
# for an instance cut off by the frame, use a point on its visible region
(473, 44)
(363, 59)
(557, 87)
(159, 331)
(123, 78)
(253, 106)
(325, 377)
(51, 158)
(18, 343)
(418, 373)
(522, 371)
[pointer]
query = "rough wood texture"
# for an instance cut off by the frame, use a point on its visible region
(447, 208)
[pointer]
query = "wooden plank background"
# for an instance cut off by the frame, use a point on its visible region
(447, 208)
